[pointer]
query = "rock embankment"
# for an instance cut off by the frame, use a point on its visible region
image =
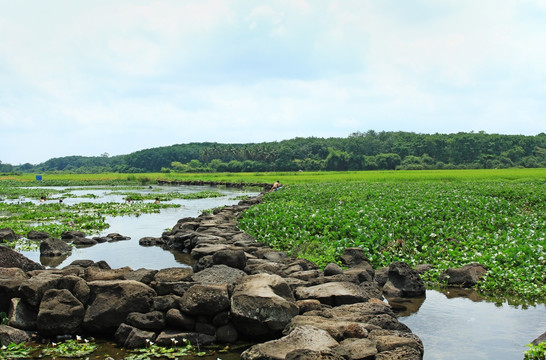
(238, 289)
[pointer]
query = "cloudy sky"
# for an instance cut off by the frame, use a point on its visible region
(116, 76)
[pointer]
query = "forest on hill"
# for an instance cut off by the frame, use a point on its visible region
(369, 150)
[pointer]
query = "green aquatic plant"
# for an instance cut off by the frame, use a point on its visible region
(535, 352)
(499, 225)
(153, 350)
(16, 351)
(73, 348)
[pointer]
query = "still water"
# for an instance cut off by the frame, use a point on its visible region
(453, 325)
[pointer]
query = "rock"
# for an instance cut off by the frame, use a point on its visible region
(132, 337)
(152, 321)
(10, 279)
(165, 338)
(308, 305)
(174, 274)
(234, 258)
(82, 242)
(332, 269)
(262, 305)
(227, 334)
(37, 235)
(33, 289)
(466, 276)
(403, 281)
(540, 339)
(304, 337)
(8, 234)
(381, 276)
(353, 257)
(390, 342)
(117, 237)
(306, 354)
(151, 241)
(176, 319)
(72, 234)
(333, 293)
(337, 328)
(205, 300)
(54, 247)
(401, 353)
(21, 315)
(93, 273)
(59, 313)
(10, 335)
(218, 274)
(356, 349)
(12, 259)
(145, 276)
(166, 302)
(111, 301)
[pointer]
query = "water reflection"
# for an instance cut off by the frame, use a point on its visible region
(460, 324)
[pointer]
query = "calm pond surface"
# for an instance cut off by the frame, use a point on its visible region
(455, 324)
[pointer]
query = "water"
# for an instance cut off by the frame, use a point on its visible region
(460, 325)
(129, 252)
(452, 325)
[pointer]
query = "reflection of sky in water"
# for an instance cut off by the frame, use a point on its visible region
(459, 328)
(129, 252)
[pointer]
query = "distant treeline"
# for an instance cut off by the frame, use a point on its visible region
(359, 151)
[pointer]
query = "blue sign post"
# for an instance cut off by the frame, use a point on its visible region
(38, 177)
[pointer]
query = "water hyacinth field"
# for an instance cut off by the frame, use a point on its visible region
(501, 225)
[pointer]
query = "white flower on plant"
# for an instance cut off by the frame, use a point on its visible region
(78, 337)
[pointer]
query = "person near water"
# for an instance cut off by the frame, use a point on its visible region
(276, 186)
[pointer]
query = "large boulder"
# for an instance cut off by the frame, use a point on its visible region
(403, 281)
(219, 274)
(304, 337)
(333, 293)
(205, 300)
(21, 315)
(111, 301)
(59, 313)
(54, 247)
(262, 305)
(466, 276)
(8, 234)
(12, 259)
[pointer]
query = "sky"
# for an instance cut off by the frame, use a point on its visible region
(117, 76)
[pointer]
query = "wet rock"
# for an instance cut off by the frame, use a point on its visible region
(72, 234)
(403, 281)
(304, 337)
(151, 241)
(466, 276)
(166, 338)
(113, 237)
(84, 242)
(54, 247)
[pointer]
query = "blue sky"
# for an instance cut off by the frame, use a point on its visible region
(117, 76)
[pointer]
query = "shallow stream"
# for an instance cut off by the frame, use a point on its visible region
(453, 324)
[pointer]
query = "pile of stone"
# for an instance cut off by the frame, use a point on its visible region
(238, 289)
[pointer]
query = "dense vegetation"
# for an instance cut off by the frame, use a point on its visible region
(501, 225)
(359, 151)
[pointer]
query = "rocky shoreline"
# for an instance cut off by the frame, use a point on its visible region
(237, 289)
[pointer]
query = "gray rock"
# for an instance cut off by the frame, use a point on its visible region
(178, 320)
(174, 274)
(111, 301)
(305, 337)
(227, 334)
(403, 281)
(337, 328)
(145, 276)
(262, 305)
(166, 302)
(59, 313)
(12, 259)
(332, 269)
(333, 293)
(203, 299)
(154, 320)
(356, 349)
(8, 234)
(466, 276)
(165, 338)
(234, 258)
(219, 274)
(10, 335)
(54, 247)
(10, 279)
(306, 354)
(21, 315)
(353, 257)
(37, 235)
(132, 337)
